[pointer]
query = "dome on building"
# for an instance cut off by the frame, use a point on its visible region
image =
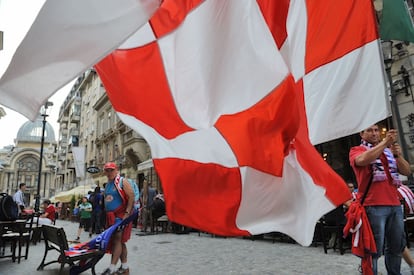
(31, 131)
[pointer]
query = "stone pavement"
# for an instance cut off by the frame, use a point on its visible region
(190, 254)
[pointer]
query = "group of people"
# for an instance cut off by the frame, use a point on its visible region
(152, 206)
(377, 165)
(117, 200)
(90, 211)
(120, 200)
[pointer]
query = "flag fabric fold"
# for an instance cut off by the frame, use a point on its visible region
(63, 41)
(79, 160)
(231, 97)
(230, 136)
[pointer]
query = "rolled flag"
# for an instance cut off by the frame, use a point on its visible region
(100, 242)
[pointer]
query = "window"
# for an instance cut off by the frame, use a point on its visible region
(102, 126)
(74, 140)
(75, 109)
(109, 119)
(37, 132)
(108, 153)
(411, 138)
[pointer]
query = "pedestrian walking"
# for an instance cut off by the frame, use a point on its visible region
(119, 203)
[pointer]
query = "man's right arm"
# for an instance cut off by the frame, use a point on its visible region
(370, 155)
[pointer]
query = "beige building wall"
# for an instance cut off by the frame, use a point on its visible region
(100, 132)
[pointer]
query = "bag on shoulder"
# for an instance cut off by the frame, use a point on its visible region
(9, 210)
(134, 188)
(136, 193)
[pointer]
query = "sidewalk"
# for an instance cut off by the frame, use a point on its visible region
(191, 254)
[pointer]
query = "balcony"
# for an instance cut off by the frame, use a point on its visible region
(64, 131)
(74, 132)
(63, 119)
(63, 143)
(74, 117)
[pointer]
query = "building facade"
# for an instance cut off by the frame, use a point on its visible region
(91, 134)
(20, 162)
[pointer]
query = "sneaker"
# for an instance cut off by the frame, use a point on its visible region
(108, 272)
(123, 271)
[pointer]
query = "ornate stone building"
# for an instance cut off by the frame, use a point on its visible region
(98, 134)
(21, 161)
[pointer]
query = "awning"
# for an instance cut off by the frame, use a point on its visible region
(145, 165)
(66, 196)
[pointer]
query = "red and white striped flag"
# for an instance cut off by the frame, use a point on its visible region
(230, 94)
(225, 92)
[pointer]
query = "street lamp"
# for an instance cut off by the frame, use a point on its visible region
(1, 176)
(44, 113)
(388, 60)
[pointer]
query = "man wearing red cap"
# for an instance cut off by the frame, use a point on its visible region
(119, 203)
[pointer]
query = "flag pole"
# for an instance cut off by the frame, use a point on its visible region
(388, 61)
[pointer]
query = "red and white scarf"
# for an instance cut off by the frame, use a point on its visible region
(378, 168)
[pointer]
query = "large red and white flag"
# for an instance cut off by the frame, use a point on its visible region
(228, 93)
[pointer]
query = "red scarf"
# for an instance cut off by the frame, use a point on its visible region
(363, 242)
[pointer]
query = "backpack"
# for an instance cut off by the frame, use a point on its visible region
(136, 193)
(9, 210)
(134, 188)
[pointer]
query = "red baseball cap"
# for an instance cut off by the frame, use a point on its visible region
(110, 165)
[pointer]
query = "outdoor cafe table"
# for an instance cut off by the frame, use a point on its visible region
(5, 228)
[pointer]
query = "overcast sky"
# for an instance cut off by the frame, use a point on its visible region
(16, 16)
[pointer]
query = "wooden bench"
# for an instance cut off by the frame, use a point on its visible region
(55, 239)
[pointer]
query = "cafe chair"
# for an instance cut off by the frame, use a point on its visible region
(9, 235)
(25, 236)
(36, 229)
(331, 228)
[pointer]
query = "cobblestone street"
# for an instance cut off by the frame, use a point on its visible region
(193, 254)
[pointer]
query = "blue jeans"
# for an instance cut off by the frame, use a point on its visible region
(387, 224)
